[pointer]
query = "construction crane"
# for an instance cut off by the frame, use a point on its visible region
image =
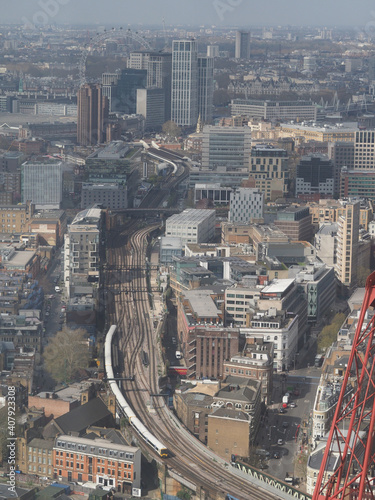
(348, 465)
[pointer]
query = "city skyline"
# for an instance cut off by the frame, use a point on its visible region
(216, 12)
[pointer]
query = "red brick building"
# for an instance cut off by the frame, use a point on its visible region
(97, 461)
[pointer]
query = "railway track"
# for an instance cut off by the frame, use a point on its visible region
(130, 311)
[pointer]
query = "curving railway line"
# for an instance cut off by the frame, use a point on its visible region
(129, 310)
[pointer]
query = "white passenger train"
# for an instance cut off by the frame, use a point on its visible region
(121, 401)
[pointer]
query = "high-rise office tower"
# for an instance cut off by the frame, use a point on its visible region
(205, 88)
(92, 115)
(184, 100)
(150, 104)
(129, 81)
(109, 89)
(347, 244)
(242, 45)
(159, 75)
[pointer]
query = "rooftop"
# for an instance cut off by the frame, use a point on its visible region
(230, 414)
(278, 286)
(202, 303)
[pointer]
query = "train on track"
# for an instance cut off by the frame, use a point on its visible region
(121, 401)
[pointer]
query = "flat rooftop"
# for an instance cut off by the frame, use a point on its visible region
(278, 286)
(202, 303)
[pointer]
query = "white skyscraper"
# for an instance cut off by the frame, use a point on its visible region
(205, 88)
(184, 101)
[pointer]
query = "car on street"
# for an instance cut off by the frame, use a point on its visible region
(276, 454)
(282, 410)
(292, 404)
(280, 442)
(285, 425)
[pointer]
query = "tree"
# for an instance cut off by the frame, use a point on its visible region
(184, 494)
(362, 275)
(171, 128)
(221, 98)
(66, 353)
(329, 333)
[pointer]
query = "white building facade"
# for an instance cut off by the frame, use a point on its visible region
(246, 204)
(192, 226)
(184, 100)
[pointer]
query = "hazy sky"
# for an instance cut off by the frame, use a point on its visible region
(360, 14)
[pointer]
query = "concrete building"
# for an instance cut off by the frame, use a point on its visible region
(295, 222)
(329, 133)
(151, 104)
(226, 148)
(57, 403)
(269, 168)
(192, 226)
(169, 248)
(309, 64)
(238, 301)
(184, 93)
(242, 47)
(92, 115)
(328, 210)
(108, 195)
(207, 347)
(364, 149)
(23, 330)
(192, 408)
(255, 362)
(129, 81)
(246, 205)
(325, 242)
(342, 155)
(347, 244)
(213, 51)
(49, 225)
(15, 218)
(41, 183)
(229, 433)
(213, 192)
(359, 183)
(315, 174)
(281, 328)
(226, 176)
(82, 250)
(274, 110)
(319, 284)
(109, 89)
(205, 88)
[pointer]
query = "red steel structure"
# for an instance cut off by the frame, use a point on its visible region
(348, 464)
